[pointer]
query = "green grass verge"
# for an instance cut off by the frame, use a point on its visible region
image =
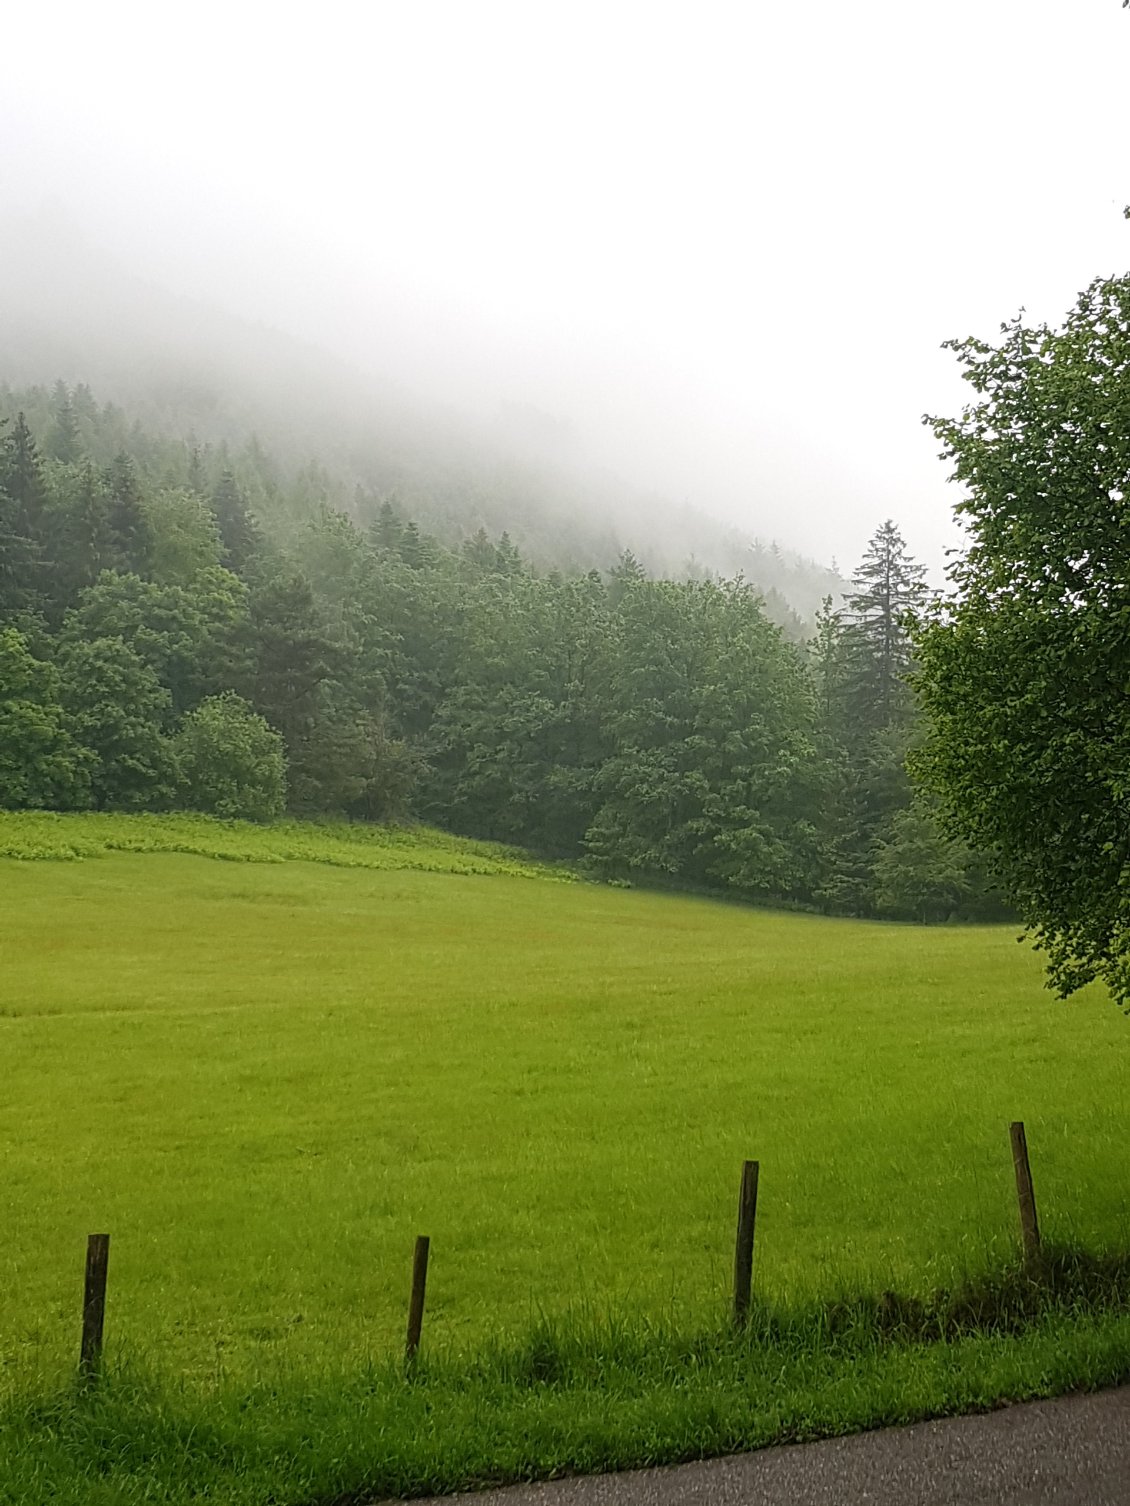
(264, 1078)
(575, 1396)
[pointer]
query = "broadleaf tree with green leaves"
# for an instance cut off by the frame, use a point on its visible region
(1025, 669)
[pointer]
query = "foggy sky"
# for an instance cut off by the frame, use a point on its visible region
(722, 242)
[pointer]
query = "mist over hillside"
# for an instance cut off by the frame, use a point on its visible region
(187, 369)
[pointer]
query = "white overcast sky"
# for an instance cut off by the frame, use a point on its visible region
(725, 240)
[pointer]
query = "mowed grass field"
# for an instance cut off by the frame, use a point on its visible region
(264, 1078)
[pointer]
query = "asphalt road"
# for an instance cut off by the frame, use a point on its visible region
(1071, 1452)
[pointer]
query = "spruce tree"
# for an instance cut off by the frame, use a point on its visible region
(197, 476)
(82, 401)
(22, 521)
(385, 532)
(479, 553)
(862, 659)
(239, 532)
(131, 538)
(64, 441)
(507, 560)
(887, 587)
(78, 545)
(627, 573)
(21, 477)
(416, 549)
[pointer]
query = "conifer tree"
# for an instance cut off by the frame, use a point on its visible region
(293, 657)
(64, 441)
(22, 521)
(197, 476)
(386, 530)
(82, 400)
(21, 478)
(628, 572)
(416, 549)
(131, 540)
(479, 553)
(79, 545)
(886, 588)
(507, 559)
(239, 532)
(862, 658)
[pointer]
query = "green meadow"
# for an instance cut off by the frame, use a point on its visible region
(265, 1059)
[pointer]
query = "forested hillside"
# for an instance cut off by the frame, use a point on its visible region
(174, 369)
(182, 627)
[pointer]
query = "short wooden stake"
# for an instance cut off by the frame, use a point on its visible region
(94, 1303)
(416, 1306)
(1026, 1197)
(743, 1252)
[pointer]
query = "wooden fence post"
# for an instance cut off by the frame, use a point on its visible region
(416, 1306)
(1026, 1197)
(94, 1304)
(743, 1251)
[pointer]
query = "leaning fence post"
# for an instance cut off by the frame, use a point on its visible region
(1025, 1195)
(416, 1306)
(94, 1303)
(743, 1251)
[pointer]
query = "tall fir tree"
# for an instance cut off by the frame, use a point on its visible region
(862, 657)
(23, 521)
(386, 530)
(239, 532)
(197, 476)
(21, 477)
(131, 538)
(627, 573)
(886, 588)
(64, 441)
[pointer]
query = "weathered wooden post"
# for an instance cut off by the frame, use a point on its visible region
(94, 1304)
(743, 1251)
(1026, 1197)
(416, 1305)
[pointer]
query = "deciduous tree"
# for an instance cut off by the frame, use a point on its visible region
(1025, 672)
(229, 762)
(117, 710)
(39, 762)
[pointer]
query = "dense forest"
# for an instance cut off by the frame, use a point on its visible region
(183, 625)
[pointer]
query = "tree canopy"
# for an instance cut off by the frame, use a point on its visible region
(1025, 671)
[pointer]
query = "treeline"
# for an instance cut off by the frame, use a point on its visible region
(449, 485)
(159, 647)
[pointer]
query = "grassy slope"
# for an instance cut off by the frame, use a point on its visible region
(32, 836)
(264, 1080)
